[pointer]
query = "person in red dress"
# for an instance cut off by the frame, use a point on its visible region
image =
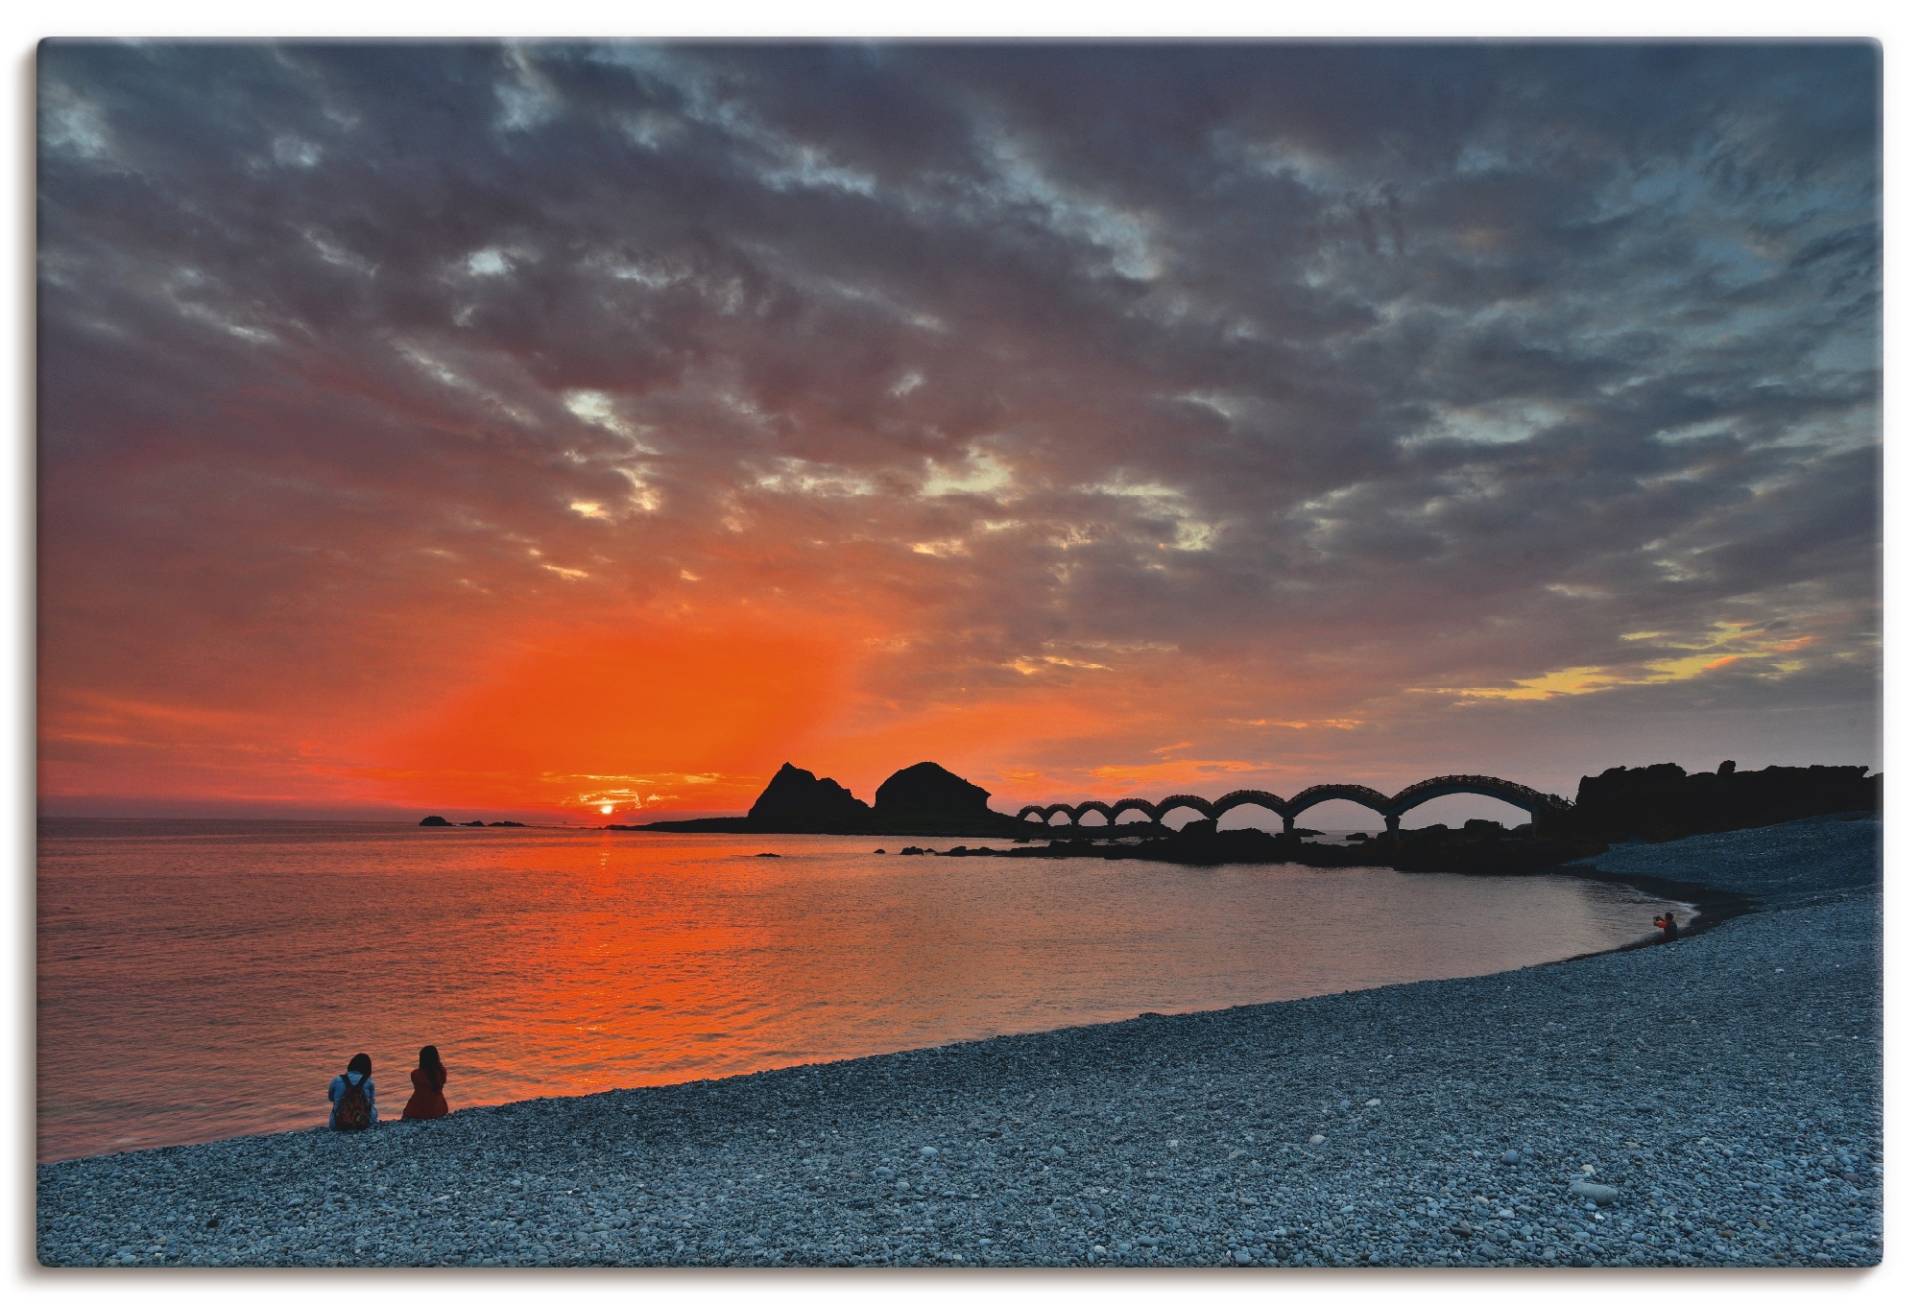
(429, 1081)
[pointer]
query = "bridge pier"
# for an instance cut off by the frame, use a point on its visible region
(1393, 826)
(1286, 822)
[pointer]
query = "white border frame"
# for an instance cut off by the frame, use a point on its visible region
(1892, 23)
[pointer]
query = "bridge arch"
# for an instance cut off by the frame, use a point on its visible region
(1039, 812)
(1373, 799)
(1532, 801)
(1182, 801)
(1140, 804)
(1253, 797)
(1087, 808)
(1058, 808)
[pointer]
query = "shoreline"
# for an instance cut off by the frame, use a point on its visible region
(1710, 907)
(94, 1209)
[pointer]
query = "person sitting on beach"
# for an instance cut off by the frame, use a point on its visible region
(428, 1099)
(1668, 929)
(352, 1097)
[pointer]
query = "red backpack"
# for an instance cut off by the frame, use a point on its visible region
(354, 1113)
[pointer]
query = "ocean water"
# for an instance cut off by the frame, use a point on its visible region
(202, 979)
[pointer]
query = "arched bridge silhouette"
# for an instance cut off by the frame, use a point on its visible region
(1539, 805)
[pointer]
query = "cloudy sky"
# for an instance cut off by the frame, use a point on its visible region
(522, 428)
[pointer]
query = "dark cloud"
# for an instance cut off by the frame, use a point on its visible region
(1367, 379)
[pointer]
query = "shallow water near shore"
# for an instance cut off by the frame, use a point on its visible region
(204, 979)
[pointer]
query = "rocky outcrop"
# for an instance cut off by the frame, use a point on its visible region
(930, 794)
(1664, 801)
(924, 799)
(436, 822)
(794, 801)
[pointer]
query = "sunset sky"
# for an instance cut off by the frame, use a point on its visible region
(520, 429)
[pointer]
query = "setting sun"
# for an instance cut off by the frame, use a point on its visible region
(606, 808)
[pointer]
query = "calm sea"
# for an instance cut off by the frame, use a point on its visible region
(201, 979)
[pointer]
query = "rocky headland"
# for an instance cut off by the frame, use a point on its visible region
(1647, 803)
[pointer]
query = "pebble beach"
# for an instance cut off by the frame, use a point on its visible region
(1712, 1102)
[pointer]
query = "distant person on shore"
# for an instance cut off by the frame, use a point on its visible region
(352, 1097)
(429, 1081)
(1668, 929)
